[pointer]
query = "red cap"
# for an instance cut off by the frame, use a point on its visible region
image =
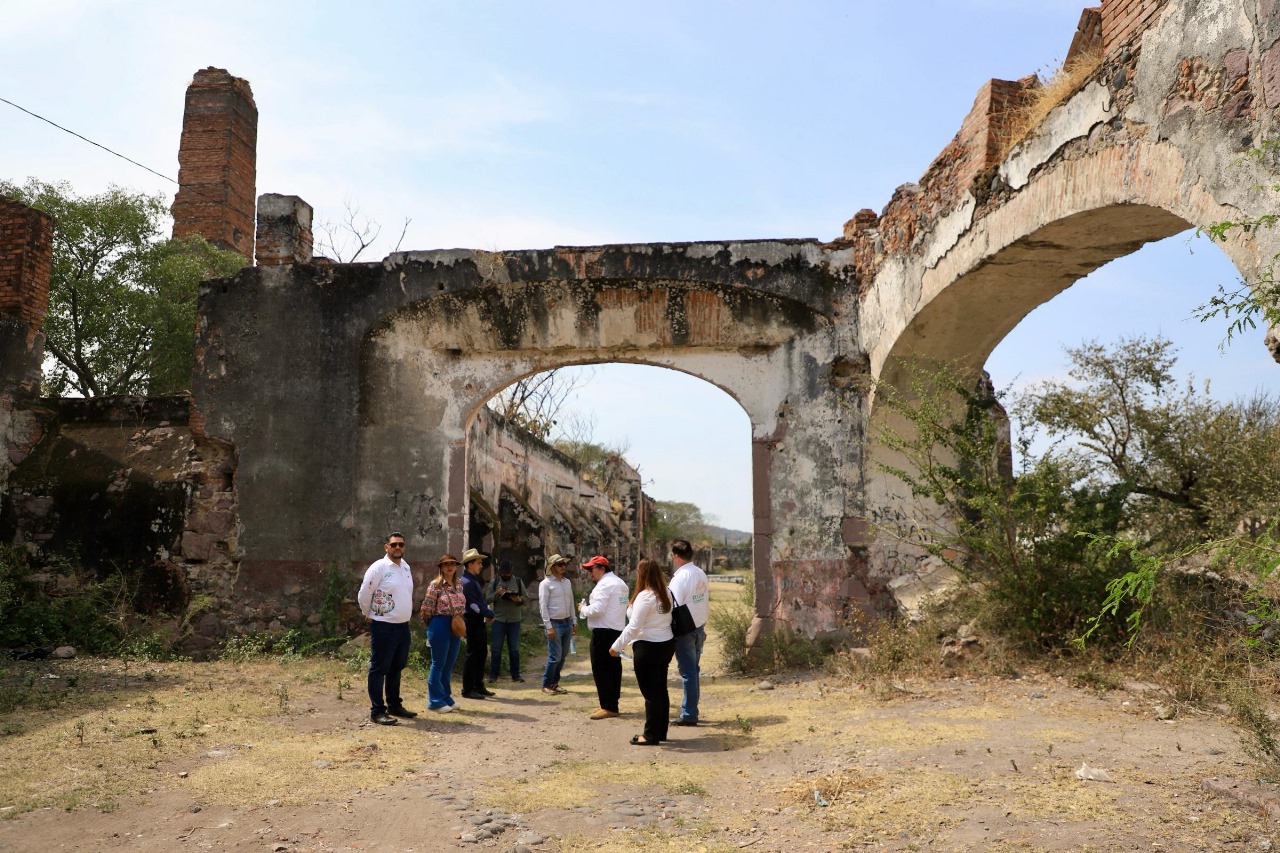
(596, 562)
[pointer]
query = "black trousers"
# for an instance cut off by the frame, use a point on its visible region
(388, 654)
(606, 670)
(651, 663)
(477, 653)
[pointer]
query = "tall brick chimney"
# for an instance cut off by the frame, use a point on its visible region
(26, 256)
(217, 162)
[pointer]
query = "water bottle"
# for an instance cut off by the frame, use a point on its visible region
(573, 644)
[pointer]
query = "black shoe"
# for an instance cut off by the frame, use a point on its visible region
(516, 678)
(486, 691)
(684, 722)
(384, 719)
(401, 711)
(471, 694)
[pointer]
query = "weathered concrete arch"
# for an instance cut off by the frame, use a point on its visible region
(739, 340)
(376, 401)
(1073, 217)
(1148, 147)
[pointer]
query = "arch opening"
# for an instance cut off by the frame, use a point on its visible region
(623, 447)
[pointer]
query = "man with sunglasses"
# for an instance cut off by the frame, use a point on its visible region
(386, 598)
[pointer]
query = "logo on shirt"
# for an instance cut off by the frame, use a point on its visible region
(383, 603)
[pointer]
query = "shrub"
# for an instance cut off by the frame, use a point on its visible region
(91, 615)
(731, 623)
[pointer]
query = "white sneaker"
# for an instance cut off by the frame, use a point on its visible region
(444, 709)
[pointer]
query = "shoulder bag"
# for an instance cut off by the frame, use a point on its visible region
(681, 619)
(457, 624)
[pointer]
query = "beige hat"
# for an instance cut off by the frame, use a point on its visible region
(555, 560)
(472, 554)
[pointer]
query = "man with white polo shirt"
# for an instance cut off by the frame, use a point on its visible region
(606, 615)
(689, 586)
(386, 599)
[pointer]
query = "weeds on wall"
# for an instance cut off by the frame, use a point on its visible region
(336, 589)
(1041, 100)
(1246, 303)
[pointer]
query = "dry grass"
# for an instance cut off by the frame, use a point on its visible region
(121, 730)
(1060, 86)
(920, 801)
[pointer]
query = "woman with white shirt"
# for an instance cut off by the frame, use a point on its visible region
(652, 645)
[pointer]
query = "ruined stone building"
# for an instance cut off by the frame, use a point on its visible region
(374, 418)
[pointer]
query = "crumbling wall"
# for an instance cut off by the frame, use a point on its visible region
(513, 470)
(1147, 146)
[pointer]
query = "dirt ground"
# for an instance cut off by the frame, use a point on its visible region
(276, 755)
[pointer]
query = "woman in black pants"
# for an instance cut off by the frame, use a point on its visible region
(649, 630)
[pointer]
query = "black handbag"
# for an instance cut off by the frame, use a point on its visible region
(681, 619)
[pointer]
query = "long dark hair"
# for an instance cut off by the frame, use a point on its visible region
(649, 576)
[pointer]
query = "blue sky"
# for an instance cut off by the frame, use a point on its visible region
(525, 125)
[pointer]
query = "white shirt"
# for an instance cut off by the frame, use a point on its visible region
(645, 621)
(607, 607)
(689, 586)
(386, 595)
(555, 600)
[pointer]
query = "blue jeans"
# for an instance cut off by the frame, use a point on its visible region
(509, 633)
(444, 653)
(688, 658)
(557, 644)
(388, 654)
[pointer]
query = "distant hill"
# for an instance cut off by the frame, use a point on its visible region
(724, 535)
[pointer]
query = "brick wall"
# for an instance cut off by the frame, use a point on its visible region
(26, 252)
(1088, 38)
(1124, 20)
(985, 130)
(284, 230)
(975, 150)
(217, 162)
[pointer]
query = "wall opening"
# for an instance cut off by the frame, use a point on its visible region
(586, 473)
(1153, 291)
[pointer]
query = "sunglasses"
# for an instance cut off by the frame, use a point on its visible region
(395, 544)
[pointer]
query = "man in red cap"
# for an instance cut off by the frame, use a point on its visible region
(606, 615)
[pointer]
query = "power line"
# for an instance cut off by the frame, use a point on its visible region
(115, 153)
(88, 140)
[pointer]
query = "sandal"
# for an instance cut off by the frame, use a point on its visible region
(638, 740)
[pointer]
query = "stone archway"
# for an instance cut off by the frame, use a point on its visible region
(362, 421)
(970, 286)
(761, 349)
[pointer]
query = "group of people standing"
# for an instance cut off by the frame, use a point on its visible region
(455, 607)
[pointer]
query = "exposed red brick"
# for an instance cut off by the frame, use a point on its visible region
(217, 162)
(1125, 20)
(26, 255)
(1088, 37)
(975, 149)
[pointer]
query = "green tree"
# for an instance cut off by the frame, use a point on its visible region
(122, 298)
(1190, 468)
(677, 520)
(1013, 539)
